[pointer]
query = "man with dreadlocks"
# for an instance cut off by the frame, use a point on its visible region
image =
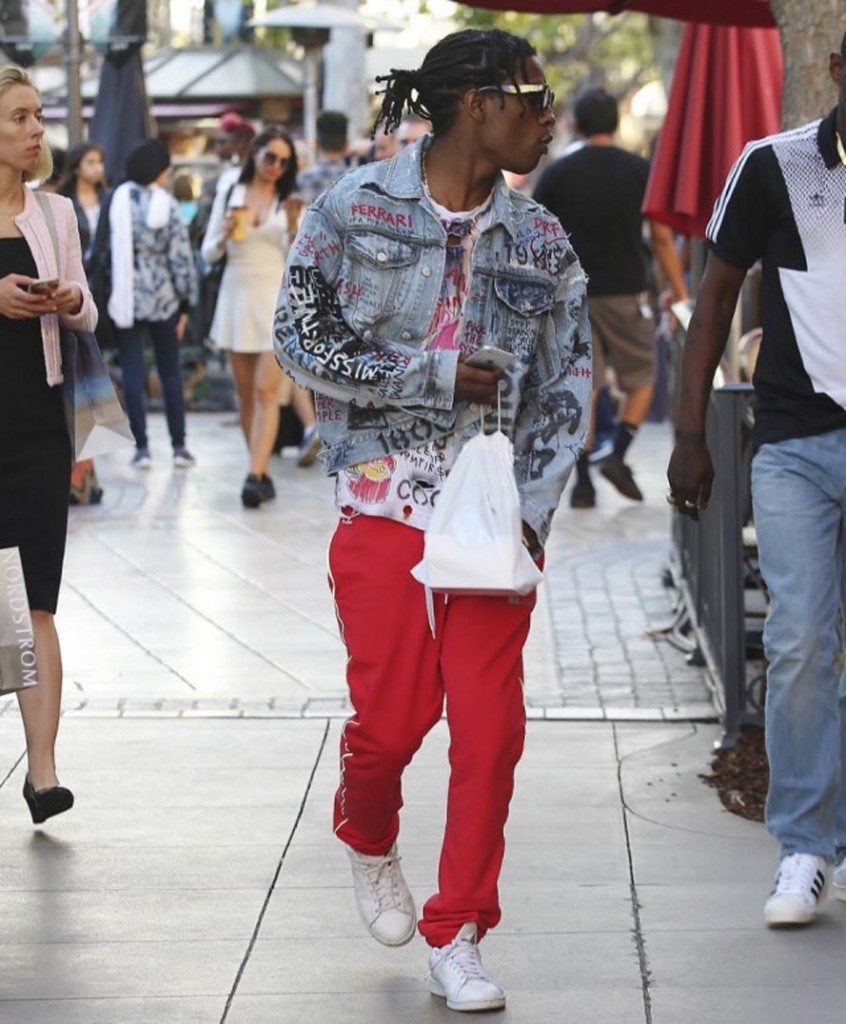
(400, 271)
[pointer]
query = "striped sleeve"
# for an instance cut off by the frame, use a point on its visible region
(738, 226)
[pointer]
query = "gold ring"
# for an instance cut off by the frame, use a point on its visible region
(671, 498)
(690, 504)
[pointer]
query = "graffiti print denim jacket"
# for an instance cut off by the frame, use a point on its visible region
(354, 313)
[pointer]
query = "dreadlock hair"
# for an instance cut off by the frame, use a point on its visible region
(460, 61)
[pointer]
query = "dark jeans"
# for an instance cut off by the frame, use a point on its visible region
(131, 343)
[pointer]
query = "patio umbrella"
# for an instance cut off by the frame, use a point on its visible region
(713, 12)
(122, 114)
(726, 90)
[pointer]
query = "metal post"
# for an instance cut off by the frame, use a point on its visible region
(312, 77)
(73, 62)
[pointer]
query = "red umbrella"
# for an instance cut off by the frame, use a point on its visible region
(712, 12)
(726, 90)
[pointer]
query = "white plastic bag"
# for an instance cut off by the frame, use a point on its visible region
(474, 541)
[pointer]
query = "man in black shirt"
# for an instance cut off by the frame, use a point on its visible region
(783, 203)
(597, 193)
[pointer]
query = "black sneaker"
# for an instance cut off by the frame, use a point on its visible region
(583, 495)
(616, 472)
(252, 493)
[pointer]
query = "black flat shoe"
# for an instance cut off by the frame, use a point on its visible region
(46, 803)
(252, 493)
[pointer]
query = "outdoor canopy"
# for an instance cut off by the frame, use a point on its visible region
(713, 12)
(726, 91)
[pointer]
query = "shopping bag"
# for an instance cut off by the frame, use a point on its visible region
(474, 540)
(17, 646)
(96, 421)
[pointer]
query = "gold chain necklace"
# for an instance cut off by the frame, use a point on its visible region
(424, 179)
(12, 216)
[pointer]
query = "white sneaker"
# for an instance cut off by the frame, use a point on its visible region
(839, 880)
(384, 901)
(141, 459)
(456, 973)
(182, 458)
(801, 885)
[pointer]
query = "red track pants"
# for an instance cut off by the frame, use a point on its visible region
(398, 676)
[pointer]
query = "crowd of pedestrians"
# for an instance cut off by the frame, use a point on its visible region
(373, 286)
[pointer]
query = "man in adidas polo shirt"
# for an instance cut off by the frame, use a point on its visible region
(785, 204)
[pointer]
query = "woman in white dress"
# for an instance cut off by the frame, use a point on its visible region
(252, 224)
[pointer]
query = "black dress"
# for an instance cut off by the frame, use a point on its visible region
(35, 457)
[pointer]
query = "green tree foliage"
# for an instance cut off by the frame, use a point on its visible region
(578, 50)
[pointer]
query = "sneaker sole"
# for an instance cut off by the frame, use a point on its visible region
(309, 456)
(474, 1007)
(396, 943)
(794, 915)
(839, 892)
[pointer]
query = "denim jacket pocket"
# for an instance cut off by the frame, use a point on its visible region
(516, 315)
(379, 270)
(528, 297)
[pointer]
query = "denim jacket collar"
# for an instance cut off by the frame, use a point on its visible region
(404, 180)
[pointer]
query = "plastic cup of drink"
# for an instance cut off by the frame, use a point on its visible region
(237, 207)
(240, 215)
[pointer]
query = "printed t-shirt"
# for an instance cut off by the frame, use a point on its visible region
(404, 486)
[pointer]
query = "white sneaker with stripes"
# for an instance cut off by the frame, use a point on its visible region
(840, 880)
(801, 885)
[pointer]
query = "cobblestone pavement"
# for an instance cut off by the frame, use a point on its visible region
(609, 606)
(177, 602)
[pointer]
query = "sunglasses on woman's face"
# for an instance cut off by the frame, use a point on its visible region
(271, 159)
(539, 96)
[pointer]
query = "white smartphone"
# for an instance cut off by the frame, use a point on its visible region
(487, 357)
(43, 286)
(682, 312)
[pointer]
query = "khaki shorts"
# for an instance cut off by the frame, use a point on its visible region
(623, 337)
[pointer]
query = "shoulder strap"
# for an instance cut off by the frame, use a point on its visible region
(44, 202)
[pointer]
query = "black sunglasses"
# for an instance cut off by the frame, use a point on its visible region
(271, 159)
(540, 97)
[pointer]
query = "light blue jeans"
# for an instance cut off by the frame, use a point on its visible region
(799, 497)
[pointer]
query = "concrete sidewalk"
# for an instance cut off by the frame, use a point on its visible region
(196, 880)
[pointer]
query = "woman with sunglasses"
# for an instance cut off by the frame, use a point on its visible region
(253, 236)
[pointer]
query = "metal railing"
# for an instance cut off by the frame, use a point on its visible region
(713, 570)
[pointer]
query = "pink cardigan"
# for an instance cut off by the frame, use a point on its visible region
(33, 227)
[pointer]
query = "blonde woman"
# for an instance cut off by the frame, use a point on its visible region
(35, 455)
(251, 224)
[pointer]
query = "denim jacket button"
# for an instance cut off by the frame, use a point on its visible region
(426, 271)
(474, 407)
(381, 257)
(405, 335)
